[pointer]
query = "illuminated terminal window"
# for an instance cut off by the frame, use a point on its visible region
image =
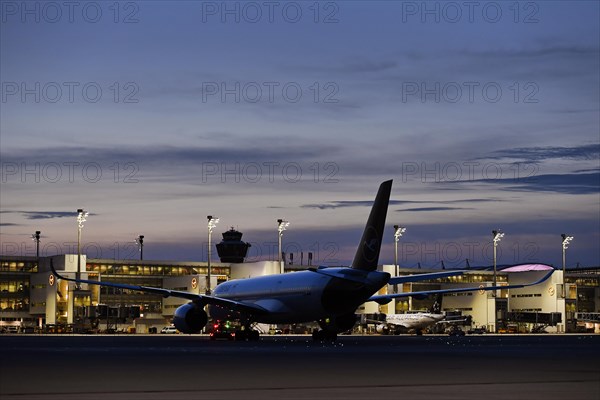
(19, 266)
(14, 286)
(154, 270)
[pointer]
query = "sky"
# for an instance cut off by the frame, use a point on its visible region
(152, 115)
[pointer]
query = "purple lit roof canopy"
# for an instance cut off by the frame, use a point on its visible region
(528, 267)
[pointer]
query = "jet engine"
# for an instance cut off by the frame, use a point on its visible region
(190, 318)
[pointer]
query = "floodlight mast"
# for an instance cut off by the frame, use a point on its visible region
(498, 235)
(398, 232)
(140, 242)
(281, 226)
(566, 240)
(212, 223)
(36, 238)
(81, 218)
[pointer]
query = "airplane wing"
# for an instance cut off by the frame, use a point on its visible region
(386, 298)
(423, 277)
(348, 274)
(203, 299)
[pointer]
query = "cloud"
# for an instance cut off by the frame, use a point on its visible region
(260, 159)
(419, 209)
(47, 214)
(548, 51)
(586, 170)
(350, 67)
(583, 152)
(260, 150)
(369, 203)
(171, 154)
(588, 183)
(42, 214)
(347, 203)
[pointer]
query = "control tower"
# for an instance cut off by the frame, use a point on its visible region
(232, 249)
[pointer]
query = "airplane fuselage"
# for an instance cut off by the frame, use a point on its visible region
(414, 320)
(300, 296)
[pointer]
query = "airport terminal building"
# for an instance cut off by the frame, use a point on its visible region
(31, 297)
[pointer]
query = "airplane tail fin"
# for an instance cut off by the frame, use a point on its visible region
(436, 308)
(367, 254)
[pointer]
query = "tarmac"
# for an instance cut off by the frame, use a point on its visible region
(174, 367)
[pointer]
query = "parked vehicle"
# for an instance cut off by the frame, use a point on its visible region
(169, 329)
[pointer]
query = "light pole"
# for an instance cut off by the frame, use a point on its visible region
(565, 245)
(398, 232)
(81, 218)
(281, 225)
(212, 223)
(36, 238)
(497, 237)
(140, 242)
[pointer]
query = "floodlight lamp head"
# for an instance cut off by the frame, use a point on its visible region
(81, 216)
(566, 241)
(212, 222)
(282, 225)
(497, 236)
(398, 232)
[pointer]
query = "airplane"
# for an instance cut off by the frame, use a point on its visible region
(397, 323)
(409, 322)
(327, 295)
(414, 322)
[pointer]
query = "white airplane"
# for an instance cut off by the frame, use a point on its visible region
(329, 296)
(397, 323)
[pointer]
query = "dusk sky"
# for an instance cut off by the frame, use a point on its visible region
(152, 115)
